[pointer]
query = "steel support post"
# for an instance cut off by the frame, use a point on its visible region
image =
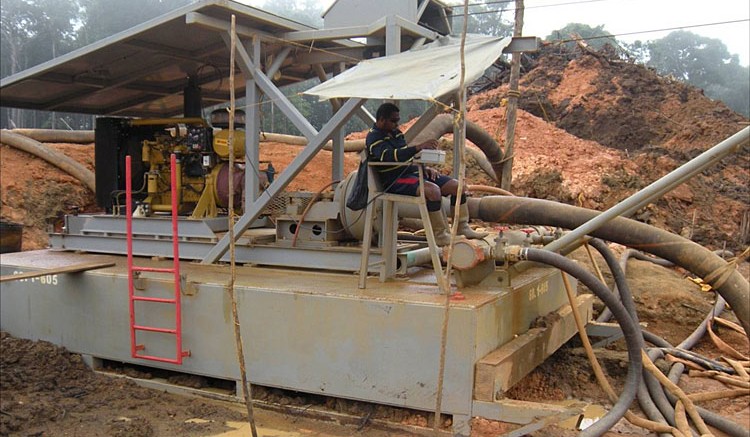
(337, 157)
(392, 36)
(252, 139)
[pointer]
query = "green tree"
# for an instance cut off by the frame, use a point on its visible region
(704, 63)
(31, 32)
(692, 58)
(596, 37)
(484, 19)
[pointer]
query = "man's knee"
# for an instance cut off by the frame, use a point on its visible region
(432, 192)
(449, 188)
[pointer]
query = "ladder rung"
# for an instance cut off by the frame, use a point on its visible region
(155, 299)
(152, 269)
(154, 329)
(162, 359)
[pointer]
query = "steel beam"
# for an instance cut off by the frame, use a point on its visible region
(269, 88)
(278, 61)
(336, 33)
(252, 140)
(338, 259)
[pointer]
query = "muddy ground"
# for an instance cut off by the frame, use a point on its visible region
(591, 131)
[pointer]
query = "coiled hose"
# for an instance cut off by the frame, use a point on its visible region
(656, 395)
(630, 329)
(654, 409)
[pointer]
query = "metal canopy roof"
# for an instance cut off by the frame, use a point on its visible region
(142, 71)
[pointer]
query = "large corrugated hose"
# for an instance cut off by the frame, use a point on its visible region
(443, 124)
(52, 156)
(689, 255)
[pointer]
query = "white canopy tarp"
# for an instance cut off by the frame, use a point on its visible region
(426, 73)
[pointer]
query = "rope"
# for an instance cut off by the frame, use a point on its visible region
(718, 277)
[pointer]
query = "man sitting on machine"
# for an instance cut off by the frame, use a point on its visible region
(386, 143)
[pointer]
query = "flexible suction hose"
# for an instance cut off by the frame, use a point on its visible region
(651, 397)
(685, 253)
(630, 330)
(443, 124)
(57, 135)
(54, 157)
(656, 400)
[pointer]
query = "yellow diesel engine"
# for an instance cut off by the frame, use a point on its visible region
(202, 153)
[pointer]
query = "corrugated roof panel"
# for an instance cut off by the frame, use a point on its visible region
(142, 71)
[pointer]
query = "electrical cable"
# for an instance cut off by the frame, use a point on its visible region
(689, 26)
(307, 208)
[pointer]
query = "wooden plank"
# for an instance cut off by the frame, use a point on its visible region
(502, 368)
(75, 268)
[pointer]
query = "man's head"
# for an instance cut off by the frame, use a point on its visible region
(387, 118)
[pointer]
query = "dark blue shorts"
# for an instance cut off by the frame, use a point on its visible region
(409, 185)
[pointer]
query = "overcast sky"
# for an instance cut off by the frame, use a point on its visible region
(626, 16)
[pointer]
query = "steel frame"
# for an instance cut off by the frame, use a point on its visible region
(249, 60)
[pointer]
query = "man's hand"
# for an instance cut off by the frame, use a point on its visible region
(431, 173)
(430, 144)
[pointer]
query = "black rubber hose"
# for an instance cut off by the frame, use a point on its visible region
(630, 253)
(649, 389)
(721, 423)
(681, 251)
(443, 124)
(700, 331)
(631, 331)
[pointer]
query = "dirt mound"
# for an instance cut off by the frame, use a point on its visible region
(621, 105)
(639, 127)
(38, 194)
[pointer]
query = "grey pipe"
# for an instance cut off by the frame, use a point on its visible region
(57, 135)
(681, 251)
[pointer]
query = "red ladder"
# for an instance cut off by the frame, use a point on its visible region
(175, 270)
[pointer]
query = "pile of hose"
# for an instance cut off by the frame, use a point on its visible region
(655, 402)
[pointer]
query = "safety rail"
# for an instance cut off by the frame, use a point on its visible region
(175, 271)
